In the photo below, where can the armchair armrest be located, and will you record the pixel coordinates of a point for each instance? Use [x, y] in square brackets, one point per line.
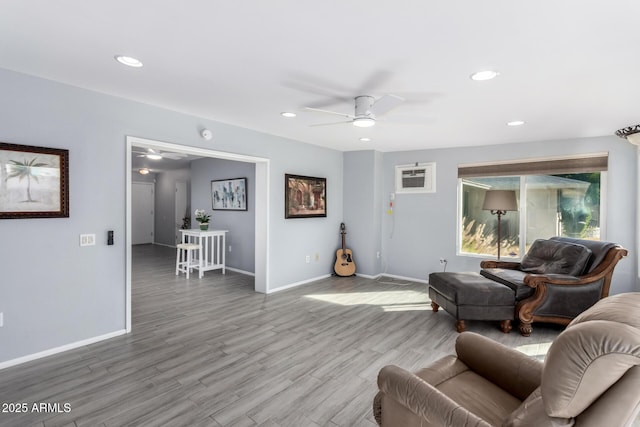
[424, 400]
[506, 367]
[500, 264]
[535, 280]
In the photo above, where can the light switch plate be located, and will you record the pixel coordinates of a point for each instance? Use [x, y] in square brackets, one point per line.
[87, 240]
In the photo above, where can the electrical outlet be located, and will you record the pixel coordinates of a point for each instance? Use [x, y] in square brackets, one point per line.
[443, 261]
[1, 319]
[229, 248]
[317, 258]
[378, 254]
[307, 259]
[87, 240]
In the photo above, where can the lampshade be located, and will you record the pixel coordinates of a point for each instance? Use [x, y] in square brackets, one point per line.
[500, 200]
[630, 133]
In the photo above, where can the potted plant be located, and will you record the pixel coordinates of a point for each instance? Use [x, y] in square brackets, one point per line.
[203, 218]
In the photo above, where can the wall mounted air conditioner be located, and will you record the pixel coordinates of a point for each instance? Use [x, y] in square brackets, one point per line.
[416, 178]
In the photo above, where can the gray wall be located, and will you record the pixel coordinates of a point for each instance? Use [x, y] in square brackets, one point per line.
[241, 224]
[53, 292]
[423, 225]
[363, 179]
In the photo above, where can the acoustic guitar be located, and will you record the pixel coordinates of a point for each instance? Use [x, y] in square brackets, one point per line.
[344, 258]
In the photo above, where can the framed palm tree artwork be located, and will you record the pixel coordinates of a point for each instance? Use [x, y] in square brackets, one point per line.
[34, 182]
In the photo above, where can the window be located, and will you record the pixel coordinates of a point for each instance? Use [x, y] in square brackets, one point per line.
[565, 201]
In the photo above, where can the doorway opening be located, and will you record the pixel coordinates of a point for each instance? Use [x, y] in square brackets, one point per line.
[261, 208]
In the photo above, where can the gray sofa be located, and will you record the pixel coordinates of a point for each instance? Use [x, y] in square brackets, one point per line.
[590, 378]
[557, 279]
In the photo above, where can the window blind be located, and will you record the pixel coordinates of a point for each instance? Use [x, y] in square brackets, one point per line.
[594, 163]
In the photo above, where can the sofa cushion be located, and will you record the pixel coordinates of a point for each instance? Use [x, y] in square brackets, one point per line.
[597, 360]
[621, 308]
[554, 256]
[531, 413]
[514, 279]
[469, 389]
[598, 248]
[470, 288]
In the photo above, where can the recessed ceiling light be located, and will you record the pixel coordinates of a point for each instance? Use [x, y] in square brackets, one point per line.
[154, 156]
[515, 123]
[365, 139]
[129, 61]
[288, 114]
[144, 171]
[484, 75]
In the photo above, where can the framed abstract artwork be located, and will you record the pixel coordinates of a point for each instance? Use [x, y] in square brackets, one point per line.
[229, 194]
[304, 196]
[34, 182]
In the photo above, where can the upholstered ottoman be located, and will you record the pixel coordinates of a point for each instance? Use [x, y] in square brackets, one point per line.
[470, 296]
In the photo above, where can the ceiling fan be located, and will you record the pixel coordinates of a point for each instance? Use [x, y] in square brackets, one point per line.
[367, 110]
[153, 154]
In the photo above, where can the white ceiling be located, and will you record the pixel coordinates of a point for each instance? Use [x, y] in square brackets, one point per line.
[569, 68]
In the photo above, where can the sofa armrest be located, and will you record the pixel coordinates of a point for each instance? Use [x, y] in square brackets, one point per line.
[424, 400]
[535, 280]
[506, 367]
[500, 264]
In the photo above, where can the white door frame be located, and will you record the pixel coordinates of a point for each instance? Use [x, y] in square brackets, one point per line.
[261, 209]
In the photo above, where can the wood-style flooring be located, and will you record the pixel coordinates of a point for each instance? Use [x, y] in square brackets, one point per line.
[212, 352]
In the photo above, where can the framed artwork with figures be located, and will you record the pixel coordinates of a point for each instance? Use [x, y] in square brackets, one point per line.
[229, 194]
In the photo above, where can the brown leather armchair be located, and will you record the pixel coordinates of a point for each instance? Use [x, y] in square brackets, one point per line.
[543, 294]
[590, 377]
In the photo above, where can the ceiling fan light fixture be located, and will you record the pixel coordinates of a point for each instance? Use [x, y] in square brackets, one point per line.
[484, 75]
[364, 122]
[154, 156]
[144, 171]
[128, 61]
[630, 133]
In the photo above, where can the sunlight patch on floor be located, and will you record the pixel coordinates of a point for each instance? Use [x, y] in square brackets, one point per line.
[536, 350]
[400, 300]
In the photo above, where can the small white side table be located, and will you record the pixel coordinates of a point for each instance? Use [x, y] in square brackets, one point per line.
[212, 242]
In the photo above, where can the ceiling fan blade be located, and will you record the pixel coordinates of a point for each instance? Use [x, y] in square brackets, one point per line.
[173, 156]
[331, 124]
[385, 104]
[408, 119]
[318, 110]
[375, 81]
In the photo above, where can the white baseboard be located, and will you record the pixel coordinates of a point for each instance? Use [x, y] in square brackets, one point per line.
[393, 276]
[368, 276]
[293, 285]
[237, 270]
[67, 347]
[165, 245]
[410, 279]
